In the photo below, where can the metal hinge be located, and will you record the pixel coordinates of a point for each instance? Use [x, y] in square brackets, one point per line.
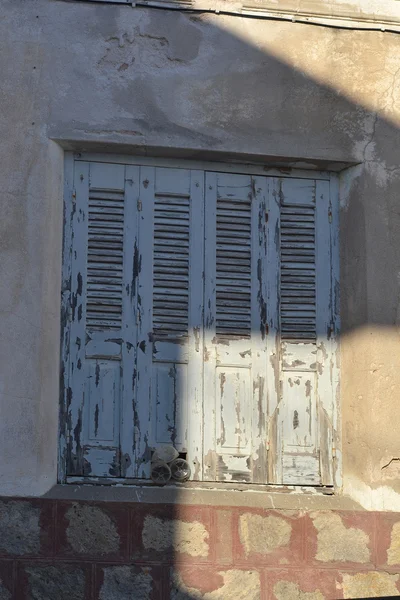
[73, 196]
[333, 452]
[139, 205]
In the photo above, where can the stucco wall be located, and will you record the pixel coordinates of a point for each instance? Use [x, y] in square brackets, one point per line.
[211, 85]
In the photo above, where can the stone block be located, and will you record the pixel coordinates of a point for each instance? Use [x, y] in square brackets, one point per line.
[305, 584]
[198, 583]
[270, 537]
[26, 527]
[370, 584]
[167, 534]
[93, 530]
[388, 540]
[53, 582]
[341, 537]
[126, 582]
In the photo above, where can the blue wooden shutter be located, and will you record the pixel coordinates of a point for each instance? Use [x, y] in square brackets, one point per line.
[169, 361]
[301, 431]
[235, 352]
[102, 338]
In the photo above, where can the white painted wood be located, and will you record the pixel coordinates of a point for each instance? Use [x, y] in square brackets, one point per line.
[273, 372]
[235, 328]
[101, 330]
[300, 469]
[305, 399]
[210, 357]
[68, 212]
[144, 403]
[102, 395]
[145, 366]
[298, 191]
[77, 364]
[195, 415]
[299, 356]
[325, 356]
[169, 364]
[260, 328]
[335, 339]
[203, 165]
[298, 412]
[300, 422]
[130, 311]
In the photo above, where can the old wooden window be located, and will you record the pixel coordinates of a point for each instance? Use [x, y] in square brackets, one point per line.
[202, 314]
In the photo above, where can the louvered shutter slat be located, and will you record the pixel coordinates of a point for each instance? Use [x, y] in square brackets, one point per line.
[233, 241]
[171, 277]
[297, 268]
[105, 259]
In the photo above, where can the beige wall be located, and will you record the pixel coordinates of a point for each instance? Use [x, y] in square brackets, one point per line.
[146, 81]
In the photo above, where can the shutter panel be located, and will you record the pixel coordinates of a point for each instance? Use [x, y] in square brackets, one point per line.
[169, 393]
[301, 428]
[235, 328]
[101, 329]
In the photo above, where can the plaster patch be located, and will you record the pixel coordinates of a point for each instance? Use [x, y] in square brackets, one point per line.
[263, 534]
[287, 590]
[91, 531]
[119, 583]
[370, 585]
[393, 555]
[237, 585]
[337, 542]
[347, 181]
[382, 498]
[189, 537]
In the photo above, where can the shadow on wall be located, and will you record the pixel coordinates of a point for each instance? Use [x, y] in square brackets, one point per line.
[269, 99]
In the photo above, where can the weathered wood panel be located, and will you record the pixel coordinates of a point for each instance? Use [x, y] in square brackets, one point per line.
[169, 363]
[235, 328]
[233, 360]
[301, 426]
[101, 317]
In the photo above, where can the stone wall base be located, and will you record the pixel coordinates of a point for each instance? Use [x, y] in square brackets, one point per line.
[64, 550]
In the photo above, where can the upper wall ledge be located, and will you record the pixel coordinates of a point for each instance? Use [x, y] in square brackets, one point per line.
[356, 14]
